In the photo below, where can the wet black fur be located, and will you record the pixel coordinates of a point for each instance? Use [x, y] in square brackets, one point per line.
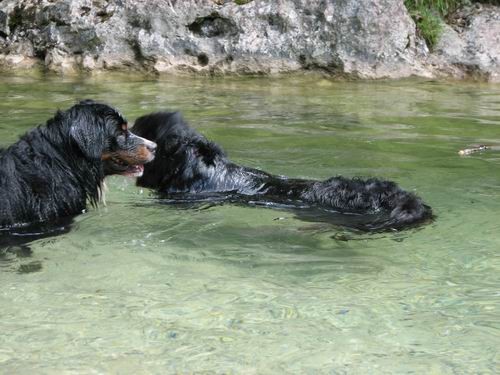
[54, 169]
[187, 163]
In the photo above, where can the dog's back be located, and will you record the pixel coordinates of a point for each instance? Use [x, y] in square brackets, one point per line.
[36, 181]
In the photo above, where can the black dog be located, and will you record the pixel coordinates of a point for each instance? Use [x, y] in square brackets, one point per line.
[187, 163]
[53, 170]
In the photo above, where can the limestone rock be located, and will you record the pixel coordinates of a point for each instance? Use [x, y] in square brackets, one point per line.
[472, 49]
[369, 39]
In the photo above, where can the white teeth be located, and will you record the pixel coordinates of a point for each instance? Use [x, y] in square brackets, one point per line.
[134, 171]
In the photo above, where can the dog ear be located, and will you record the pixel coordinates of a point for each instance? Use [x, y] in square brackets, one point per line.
[208, 151]
[88, 136]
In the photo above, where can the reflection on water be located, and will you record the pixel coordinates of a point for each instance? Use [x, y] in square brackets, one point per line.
[140, 286]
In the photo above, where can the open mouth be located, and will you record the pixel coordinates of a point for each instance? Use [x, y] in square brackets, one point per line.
[121, 167]
[134, 171]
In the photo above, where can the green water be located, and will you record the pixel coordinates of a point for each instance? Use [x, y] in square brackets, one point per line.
[138, 287]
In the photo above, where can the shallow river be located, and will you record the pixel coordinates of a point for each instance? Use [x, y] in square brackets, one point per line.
[144, 287]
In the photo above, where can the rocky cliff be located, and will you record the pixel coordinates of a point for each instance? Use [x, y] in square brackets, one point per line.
[352, 38]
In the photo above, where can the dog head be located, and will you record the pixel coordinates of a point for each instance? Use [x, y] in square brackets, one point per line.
[183, 153]
[167, 130]
[101, 133]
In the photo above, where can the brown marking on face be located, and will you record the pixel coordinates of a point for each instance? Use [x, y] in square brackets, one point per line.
[107, 155]
[144, 153]
[124, 126]
[140, 155]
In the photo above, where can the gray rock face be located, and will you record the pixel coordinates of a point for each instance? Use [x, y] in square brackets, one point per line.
[4, 25]
[369, 39]
[473, 47]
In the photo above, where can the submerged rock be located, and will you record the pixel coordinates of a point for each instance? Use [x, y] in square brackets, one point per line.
[371, 39]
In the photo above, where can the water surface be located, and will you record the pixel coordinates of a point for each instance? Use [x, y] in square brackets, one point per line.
[144, 287]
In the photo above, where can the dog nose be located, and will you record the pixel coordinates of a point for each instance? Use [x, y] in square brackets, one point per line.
[151, 146]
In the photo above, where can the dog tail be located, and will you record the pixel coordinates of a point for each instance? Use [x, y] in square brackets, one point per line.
[406, 209]
[398, 208]
[381, 205]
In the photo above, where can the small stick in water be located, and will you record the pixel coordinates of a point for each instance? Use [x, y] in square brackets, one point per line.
[468, 151]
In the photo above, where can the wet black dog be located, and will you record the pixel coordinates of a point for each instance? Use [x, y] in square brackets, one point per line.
[55, 169]
[187, 163]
